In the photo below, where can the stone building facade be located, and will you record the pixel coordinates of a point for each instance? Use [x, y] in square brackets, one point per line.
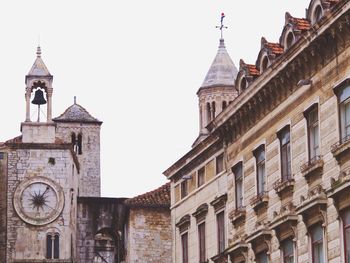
[269, 181]
[50, 204]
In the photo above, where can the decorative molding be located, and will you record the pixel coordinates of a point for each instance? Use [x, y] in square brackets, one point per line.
[219, 202]
[238, 215]
[184, 223]
[259, 201]
[282, 186]
[339, 190]
[312, 168]
[201, 212]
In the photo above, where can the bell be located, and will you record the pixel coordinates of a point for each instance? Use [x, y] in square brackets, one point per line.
[39, 98]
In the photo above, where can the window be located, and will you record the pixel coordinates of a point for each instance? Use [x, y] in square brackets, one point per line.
[77, 143]
[346, 228]
[213, 110]
[208, 113]
[284, 137]
[184, 244]
[184, 191]
[264, 64]
[220, 220]
[290, 39]
[260, 169]
[52, 246]
[201, 176]
[201, 239]
[224, 105]
[344, 108]
[288, 251]
[313, 132]
[262, 257]
[317, 244]
[219, 163]
[318, 14]
[243, 84]
[237, 171]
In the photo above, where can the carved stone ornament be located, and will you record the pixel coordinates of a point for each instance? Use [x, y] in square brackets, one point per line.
[219, 202]
[201, 212]
[184, 223]
[339, 190]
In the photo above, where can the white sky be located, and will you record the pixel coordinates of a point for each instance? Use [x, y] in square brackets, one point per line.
[136, 65]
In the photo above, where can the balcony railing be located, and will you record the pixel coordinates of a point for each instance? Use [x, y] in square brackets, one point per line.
[312, 167]
[341, 147]
[283, 185]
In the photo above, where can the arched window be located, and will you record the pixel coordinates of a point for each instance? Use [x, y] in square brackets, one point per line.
[74, 142]
[243, 84]
[224, 104]
[52, 246]
[317, 14]
[290, 40]
[264, 64]
[213, 110]
[208, 113]
[80, 143]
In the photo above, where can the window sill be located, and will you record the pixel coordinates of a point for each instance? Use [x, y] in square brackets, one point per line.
[312, 168]
[282, 186]
[340, 148]
[259, 201]
[237, 215]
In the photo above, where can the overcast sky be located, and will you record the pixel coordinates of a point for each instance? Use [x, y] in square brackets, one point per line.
[136, 65]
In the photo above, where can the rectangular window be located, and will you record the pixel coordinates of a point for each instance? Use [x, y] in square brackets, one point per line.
[201, 239]
[184, 190]
[262, 257]
[346, 229]
[2, 155]
[313, 132]
[237, 172]
[220, 220]
[219, 163]
[344, 109]
[260, 169]
[288, 251]
[284, 137]
[317, 244]
[201, 176]
[52, 246]
[184, 244]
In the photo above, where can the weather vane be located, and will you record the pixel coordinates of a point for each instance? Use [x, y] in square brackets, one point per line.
[221, 27]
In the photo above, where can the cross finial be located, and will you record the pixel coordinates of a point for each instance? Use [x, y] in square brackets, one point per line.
[221, 27]
[75, 99]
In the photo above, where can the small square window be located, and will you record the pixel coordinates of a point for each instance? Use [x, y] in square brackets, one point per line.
[201, 176]
[219, 163]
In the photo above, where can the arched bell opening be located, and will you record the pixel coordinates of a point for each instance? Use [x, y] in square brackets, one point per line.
[38, 102]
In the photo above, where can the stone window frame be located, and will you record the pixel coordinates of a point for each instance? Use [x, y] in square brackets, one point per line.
[261, 149]
[280, 134]
[184, 225]
[311, 241]
[307, 115]
[233, 169]
[283, 243]
[200, 215]
[183, 188]
[54, 252]
[219, 204]
[221, 155]
[184, 247]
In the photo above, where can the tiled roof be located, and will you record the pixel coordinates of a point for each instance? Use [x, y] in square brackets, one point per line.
[300, 23]
[159, 197]
[76, 113]
[276, 48]
[252, 70]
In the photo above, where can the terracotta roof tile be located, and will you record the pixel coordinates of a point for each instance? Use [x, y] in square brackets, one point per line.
[276, 48]
[253, 71]
[301, 23]
[159, 197]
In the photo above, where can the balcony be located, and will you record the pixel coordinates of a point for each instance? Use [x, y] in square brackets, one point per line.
[312, 168]
[284, 185]
[313, 206]
[340, 148]
[259, 201]
[339, 190]
[220, 258]
[237, 215]
[238, 249]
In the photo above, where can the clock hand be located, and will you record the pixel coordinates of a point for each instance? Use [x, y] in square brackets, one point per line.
[47, 188]
[50, 207]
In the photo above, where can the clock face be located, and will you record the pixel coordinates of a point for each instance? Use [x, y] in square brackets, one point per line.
[38, 201]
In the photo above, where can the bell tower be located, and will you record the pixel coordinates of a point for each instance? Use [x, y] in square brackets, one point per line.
[39, 86]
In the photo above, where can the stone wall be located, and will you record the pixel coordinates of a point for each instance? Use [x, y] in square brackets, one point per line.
[100, 225]
[89, 176]
[149, 235]
[3, 204]
[25, 241]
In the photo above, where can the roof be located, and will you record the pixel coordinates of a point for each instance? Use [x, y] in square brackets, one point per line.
[301, 23]
[159, 197]
[222, 71]
[76, 113]
[39, 68]
[275, 48]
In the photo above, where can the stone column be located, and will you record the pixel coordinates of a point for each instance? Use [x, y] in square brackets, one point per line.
[27, 96]
[49, 104]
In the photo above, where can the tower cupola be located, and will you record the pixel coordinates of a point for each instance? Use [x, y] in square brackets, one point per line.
[218, 87]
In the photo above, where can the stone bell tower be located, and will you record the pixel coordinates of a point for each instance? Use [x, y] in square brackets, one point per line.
[42, 181]
[38, 82]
